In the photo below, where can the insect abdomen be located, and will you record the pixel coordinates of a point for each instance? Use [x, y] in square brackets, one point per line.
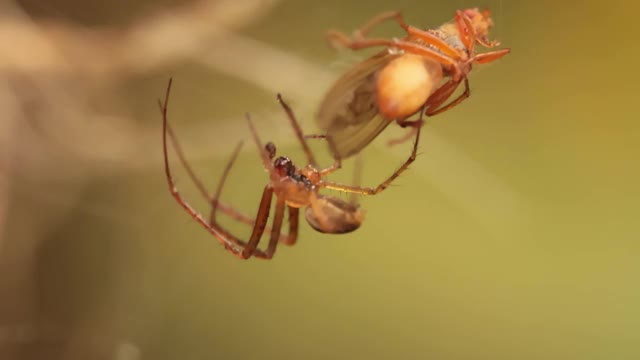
[405, 84]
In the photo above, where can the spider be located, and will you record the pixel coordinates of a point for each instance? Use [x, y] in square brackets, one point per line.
[293, 188]
[403, 79]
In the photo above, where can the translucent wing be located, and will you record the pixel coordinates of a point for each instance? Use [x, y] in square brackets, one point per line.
[348, 113]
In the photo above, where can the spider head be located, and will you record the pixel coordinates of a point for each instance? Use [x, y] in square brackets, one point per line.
[283, 166]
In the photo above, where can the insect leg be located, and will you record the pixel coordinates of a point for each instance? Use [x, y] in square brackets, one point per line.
[435, 41]
[442, 96]
[490, 56]
[466, 31]
[385, 16]
[337, 37]
[410, 47]
[361, 33]
[413, 124]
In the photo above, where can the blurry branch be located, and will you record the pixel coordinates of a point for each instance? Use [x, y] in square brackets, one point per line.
[277, 71]
[158, 40]
[7, 145]
[58, 129]
[64, 62]
[266, 67]
[57, 79]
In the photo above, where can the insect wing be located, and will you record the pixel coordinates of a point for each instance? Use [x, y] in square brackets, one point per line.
[349, 113]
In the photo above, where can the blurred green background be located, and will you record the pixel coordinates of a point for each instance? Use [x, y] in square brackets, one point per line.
[513, 236]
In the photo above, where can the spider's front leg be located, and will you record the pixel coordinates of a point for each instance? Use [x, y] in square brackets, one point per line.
[385, 184]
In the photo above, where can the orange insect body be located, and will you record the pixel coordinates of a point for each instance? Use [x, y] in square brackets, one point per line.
[405, 84]
[419, 72]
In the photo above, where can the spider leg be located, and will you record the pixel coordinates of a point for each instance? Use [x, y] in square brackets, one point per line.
[264, 156]
[337, 162]
[293, 227]
[383, 185]
[214, 201]
[261, 222]
[228, 210]
[357, 177]
[231, 243]
[301, 137]
[298, 130]
[277, 225]
[180, 153]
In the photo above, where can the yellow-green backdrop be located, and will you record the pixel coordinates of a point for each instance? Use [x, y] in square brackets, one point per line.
[513, 236]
